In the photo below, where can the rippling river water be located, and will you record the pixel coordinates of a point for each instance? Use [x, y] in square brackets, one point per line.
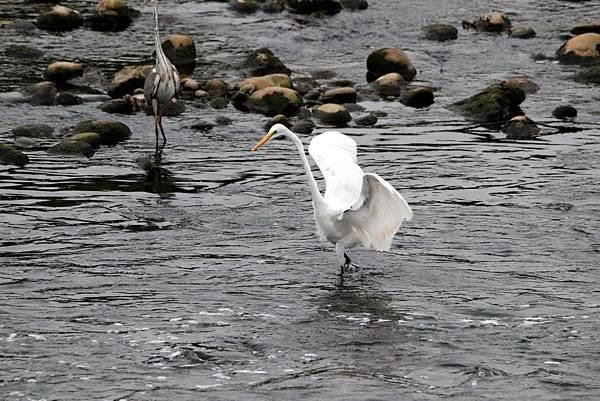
[217, 288]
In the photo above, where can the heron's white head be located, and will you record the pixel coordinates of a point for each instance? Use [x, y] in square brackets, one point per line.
[275, 131]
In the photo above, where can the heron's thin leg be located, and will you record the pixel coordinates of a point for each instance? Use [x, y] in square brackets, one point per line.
[162, 131]
[156, 130]
[346, 260]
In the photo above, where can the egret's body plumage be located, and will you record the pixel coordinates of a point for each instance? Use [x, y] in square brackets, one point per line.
[162, 83]
[356, 208]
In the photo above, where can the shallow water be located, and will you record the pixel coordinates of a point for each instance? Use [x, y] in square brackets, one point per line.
[216, 287]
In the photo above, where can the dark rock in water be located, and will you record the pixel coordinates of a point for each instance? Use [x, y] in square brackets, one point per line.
[117, 106]
[328, 7]
[386, 60]
[582, 49]
[41, 94]
[417, 97]
[180, 49]
[26, 143]
[22, 52]
[333, 114]
[68, 99]
[355, 4]
[217, 87]
[219, 102]
[521, 33]
[72, 148]
[303, 127]
[564, 112]
[171, 109]
[304, 113]
[222, 120]
[271, 6]
[112, 16]
[492, 22]
[313, 94]
[339, 95]
[92, 138]
[366, 121]
[278, 119]
[274, 100]
[62, 71]
[243, 6]
[111, 132]
[521, 127]
[263, 62]
[9, 155]
[390, 84]
[525, 83]
[60, 18]
[593, 27]
[496, 103]
[303, 84]
[353, 107]
[33, 131]
[202, 126]
[128, 79]
[590, 75]
[440, 32]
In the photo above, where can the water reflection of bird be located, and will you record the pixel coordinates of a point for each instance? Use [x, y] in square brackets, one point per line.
[162, 83]
[357, 208]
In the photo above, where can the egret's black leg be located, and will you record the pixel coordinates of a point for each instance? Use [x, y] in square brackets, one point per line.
[162, 131]
[156, 131]
[344, 267]
[347, 260]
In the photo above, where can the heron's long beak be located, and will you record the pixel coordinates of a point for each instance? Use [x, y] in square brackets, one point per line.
[264, 140]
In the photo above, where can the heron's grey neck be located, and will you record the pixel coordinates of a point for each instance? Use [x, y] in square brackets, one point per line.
[314, 188]
[161, 58]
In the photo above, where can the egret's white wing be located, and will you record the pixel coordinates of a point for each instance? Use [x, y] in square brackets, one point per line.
[335, 154]
[378, 213]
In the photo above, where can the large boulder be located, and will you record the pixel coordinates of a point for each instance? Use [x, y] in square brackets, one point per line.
[264, 62]
[128, 79]
[496, 103]
[328, 7]
[60, 18]
[110, 132]
[62, 71]
[112, 15]
[582, 49]
[386, 60]
[9, 155]
[492, 22]
[440, 32]
[274, 100]
[180, 49]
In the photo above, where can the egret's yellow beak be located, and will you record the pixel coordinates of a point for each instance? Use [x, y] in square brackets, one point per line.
[264, 140]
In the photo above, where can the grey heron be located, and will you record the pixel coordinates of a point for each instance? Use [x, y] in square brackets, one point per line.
[162, 83]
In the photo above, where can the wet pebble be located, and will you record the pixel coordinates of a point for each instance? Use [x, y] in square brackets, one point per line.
[339, 95]
[333, 114]
[564, 112]
[522, 33]
[303, 127]
[366, 120]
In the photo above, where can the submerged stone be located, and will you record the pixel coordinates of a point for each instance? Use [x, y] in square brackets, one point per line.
[111, 132]
[440, 32]
[564, 112]
[32, 131]
[9, 155]
[496, 103]
[60, 18]
[263, 62]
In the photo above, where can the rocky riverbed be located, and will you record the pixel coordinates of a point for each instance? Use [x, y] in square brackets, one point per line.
[201, 277]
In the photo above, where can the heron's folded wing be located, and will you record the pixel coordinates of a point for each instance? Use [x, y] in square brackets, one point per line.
[151, 85]
[335, 154]
[378, 213]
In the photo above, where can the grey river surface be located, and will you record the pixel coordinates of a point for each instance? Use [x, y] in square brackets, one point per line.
[217, 288]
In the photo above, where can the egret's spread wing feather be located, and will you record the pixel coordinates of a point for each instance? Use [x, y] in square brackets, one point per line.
[378, 213]
[335, 154]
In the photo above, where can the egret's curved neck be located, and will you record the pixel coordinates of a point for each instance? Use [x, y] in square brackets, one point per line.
[160, 55]
[314, 188]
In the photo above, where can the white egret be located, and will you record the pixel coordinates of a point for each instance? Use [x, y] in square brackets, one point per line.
[357, 208]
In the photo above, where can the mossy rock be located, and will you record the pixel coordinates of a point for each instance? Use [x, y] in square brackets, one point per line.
[92, 138]
[496, 103]
[386, 60]
[180, 50]
[328, 7]
[72, 148]
[60, 18]
[9, 155]
[263, 62]
[440, 32]
[274, 100]
[111, 132]
[333, 114]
